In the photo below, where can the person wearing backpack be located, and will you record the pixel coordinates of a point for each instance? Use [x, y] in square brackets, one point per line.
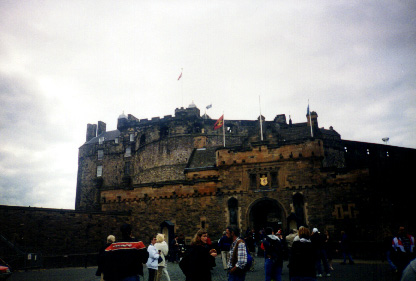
[273, 254]
[238, 255]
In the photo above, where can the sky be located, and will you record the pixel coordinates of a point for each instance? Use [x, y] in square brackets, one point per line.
[64, 64]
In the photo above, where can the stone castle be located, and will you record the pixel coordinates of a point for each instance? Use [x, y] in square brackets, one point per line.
[175, 175]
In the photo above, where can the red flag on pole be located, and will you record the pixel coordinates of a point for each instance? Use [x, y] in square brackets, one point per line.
[219, 123]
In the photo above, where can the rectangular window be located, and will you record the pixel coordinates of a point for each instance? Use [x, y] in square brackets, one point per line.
[99, 171]
[131, 137]
[253, 180]
[116, 140]
[127, 168]
[100, 140]
[273, 175]
[100, 154]
[128, 152]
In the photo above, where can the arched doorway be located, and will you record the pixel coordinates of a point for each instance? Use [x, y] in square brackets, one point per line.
[266, 212]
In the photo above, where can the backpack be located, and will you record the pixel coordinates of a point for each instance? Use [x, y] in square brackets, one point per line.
[249, 257]
[185, 263]
[274, 249]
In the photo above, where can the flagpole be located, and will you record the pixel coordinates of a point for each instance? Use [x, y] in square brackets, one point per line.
[261, 122]
[310, 119]
[182, 86]
[223, 127]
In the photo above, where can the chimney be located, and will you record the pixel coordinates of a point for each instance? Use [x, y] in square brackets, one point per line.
[101, 128]
[91, 131]
[314, 117]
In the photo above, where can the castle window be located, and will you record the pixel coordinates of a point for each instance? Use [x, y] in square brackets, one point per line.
[100, 154]
[273, 176]
[143, 140]
[233, 210]
[131, 137]
[253, 180]
[128, 152]
[100, 140]
[99, 171]
[127, 168]
[117, 140]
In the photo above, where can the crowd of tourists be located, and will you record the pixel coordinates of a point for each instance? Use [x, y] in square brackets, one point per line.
[309, 254]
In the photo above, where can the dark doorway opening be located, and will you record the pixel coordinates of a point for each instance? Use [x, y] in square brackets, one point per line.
[266, 213]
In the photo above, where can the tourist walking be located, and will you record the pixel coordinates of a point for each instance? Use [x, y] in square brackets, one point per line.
[403, 249]
[152, 261]
[345, 244]
[224, 245]
[273, 254]
[302, 261]
[318, 243]
[238, 255]
[163, 250]
[124, 260]
[202, 259]
[329, 248]
[110, 240]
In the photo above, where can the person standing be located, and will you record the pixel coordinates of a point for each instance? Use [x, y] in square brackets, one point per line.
[238, 255]
[302, 261]
[273, 254]
[110, 240]
[123, 261]
[329, 248]
[163, 250]
[318, 243]
[202, 258]
[224, 245]
[403, 249]
[289, 239]
[345, 247]
[174, 250]
[152, 260]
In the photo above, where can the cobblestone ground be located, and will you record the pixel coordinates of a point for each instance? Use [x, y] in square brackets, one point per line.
[361, 271]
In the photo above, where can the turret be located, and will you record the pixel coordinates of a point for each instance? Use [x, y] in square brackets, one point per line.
[91, 132]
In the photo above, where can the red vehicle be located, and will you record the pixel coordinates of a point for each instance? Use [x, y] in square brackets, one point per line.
[5, 271]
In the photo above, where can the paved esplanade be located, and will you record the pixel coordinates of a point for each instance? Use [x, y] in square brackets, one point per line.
[361, 271]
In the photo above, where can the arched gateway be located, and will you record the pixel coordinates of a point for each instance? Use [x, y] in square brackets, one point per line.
[266, 212]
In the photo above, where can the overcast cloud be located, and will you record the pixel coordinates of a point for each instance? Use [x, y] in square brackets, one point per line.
[64, 64]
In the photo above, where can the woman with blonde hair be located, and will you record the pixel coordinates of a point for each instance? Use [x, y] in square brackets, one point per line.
[202, 258]
[163, 250]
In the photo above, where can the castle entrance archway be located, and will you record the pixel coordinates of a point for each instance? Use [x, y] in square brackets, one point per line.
[266, 212]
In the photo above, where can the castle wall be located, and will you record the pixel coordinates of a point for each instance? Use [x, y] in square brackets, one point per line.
[57, 232]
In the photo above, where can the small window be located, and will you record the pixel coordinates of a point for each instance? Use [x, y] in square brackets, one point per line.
[99, 171]
[116, 140]
[100, 154]
[127, 168]
[253, 180]
[100, 140]
[131, 137]
[128, 152]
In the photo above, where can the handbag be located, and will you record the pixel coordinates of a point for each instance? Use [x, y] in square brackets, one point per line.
[160, 259]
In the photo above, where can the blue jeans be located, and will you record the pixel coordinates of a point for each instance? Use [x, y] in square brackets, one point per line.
[234, 277]
[131, 278]
[272, 271]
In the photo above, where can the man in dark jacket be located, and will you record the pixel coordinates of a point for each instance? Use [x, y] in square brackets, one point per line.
[273, 254]
[318, 242]
[124, 260]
